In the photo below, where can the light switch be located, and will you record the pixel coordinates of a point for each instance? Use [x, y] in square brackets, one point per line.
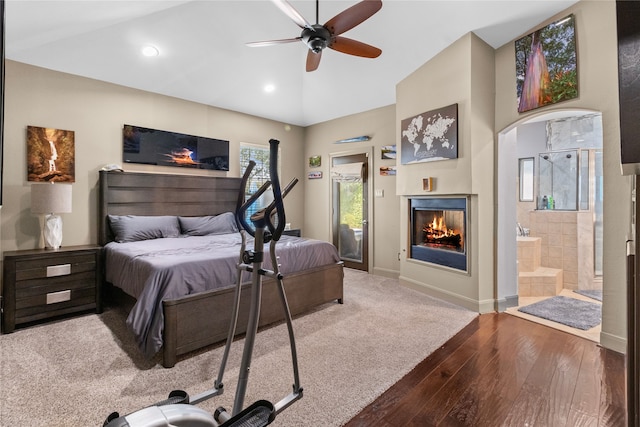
[379, 193]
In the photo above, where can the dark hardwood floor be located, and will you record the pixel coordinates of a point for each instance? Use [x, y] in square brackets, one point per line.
[501, 370]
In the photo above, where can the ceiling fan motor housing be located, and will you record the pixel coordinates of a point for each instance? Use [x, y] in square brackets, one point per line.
[317, 38]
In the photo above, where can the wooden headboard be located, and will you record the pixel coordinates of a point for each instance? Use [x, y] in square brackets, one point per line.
[135, 193]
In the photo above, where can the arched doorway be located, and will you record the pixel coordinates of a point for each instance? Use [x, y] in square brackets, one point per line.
[578, 197]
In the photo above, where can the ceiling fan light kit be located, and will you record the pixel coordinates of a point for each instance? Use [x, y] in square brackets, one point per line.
[318, 37]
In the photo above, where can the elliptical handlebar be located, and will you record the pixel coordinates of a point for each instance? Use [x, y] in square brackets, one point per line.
[277, 204]
[241, 205]
[264, 217]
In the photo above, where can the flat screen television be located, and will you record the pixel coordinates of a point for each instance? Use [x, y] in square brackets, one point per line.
[163, 148]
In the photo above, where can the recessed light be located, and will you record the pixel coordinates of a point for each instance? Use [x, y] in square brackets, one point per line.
[269, 88]
[150, 51]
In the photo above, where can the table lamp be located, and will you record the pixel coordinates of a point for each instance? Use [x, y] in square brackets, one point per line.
[51, 199]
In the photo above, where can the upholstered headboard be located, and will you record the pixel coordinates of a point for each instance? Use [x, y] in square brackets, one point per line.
[135, 193]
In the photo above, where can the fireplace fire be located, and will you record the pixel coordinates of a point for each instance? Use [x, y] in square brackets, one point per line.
[438, 231]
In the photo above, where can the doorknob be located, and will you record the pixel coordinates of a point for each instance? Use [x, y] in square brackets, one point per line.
[365, 222]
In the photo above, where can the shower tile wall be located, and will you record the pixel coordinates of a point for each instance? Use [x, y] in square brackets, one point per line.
[559, 246]
[586, 252]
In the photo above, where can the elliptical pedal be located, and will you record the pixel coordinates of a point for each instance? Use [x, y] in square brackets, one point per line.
[260, 413]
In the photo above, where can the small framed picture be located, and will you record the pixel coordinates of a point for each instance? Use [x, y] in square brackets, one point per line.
[315, 161]
[315, 175]
[427, 184]
[387, 170]
[388, 152]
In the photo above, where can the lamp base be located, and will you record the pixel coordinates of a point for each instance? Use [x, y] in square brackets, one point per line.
[52, 231]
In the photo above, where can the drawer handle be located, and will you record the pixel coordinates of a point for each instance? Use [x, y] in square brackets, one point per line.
[58, 270]
[60, 296]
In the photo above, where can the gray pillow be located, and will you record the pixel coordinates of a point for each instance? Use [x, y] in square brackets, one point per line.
[207, 225]
[133, 228]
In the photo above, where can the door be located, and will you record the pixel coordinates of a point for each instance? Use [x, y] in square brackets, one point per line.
[350, 224]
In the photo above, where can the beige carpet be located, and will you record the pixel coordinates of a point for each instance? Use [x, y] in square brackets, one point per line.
[75, 372]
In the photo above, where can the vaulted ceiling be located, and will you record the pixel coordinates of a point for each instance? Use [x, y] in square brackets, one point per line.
[203, 56]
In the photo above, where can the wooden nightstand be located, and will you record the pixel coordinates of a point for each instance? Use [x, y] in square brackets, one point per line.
[42, 283]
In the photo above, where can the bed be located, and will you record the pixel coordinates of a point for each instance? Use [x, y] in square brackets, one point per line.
[192, 318]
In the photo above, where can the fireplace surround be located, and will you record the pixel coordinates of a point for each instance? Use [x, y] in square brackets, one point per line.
[438, 231]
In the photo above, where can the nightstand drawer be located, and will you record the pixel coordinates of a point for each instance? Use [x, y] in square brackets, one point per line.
[54, 267]
[36, 308]
[32, 287]
[41, 284]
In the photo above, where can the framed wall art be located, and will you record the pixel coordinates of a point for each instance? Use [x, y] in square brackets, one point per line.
[315, 161]
[546, 65]
[50, 155]
[388, 152]
[387, 170]
[164, 148]
[430, 136]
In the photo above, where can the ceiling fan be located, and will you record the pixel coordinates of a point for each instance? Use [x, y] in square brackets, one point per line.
[318, 37]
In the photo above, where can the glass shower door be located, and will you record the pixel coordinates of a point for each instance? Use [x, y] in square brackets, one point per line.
[558, 180]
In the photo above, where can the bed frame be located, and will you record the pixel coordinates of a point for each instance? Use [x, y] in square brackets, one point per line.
[189, 323]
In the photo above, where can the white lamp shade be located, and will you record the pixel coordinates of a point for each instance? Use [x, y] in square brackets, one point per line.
[50, 198]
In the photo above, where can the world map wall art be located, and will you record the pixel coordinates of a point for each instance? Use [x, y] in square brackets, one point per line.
[430, 136]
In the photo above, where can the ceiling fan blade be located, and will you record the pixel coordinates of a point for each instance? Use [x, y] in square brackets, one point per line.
[313, 60]
[292, 13]
[354, 47]
[273, 42]
[349, 18]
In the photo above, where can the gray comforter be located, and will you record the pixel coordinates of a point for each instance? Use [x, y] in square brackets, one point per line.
[162, 269]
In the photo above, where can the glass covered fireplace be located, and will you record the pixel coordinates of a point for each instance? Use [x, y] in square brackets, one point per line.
[439, 230]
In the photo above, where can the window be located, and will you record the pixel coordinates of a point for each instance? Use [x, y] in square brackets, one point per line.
[259, 175]
[526, 179]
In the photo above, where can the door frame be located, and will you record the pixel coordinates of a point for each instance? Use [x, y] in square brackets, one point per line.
[506, 288]
[368, 152]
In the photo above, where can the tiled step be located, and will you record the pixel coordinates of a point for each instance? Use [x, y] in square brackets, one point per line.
[544, 281]
[529, 249]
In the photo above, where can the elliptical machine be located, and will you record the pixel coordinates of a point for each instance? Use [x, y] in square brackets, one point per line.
[178, 410]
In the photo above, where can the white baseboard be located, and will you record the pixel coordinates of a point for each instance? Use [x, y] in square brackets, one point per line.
[613, 342]
[479, 306]
[385, 272]
[506, 302]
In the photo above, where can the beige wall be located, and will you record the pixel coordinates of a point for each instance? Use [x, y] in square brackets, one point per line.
[598, 85]
[468, 72]
[96, 111]
[379, 124]
[459, 74]
[464, 74]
